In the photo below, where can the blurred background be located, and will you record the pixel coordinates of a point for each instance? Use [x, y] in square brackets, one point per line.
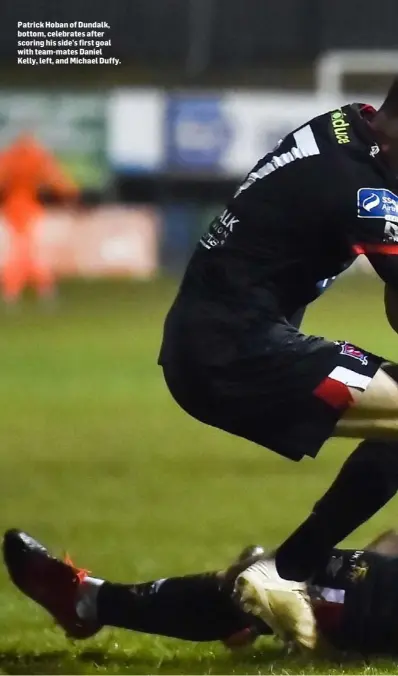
[204, 88]
[108, 176]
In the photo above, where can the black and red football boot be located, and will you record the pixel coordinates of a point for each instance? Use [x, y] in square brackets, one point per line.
[52, 583]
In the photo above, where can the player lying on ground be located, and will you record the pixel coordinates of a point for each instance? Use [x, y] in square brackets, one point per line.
[354, 598]
[233, 359]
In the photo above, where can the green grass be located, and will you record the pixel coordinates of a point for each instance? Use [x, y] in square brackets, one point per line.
[96, 458]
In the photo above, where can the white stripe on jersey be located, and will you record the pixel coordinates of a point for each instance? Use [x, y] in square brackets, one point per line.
[306, 141]
[306, 146]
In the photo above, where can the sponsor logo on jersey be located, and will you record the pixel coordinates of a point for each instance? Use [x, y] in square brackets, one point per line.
[220, 228]
[340, 126]
[391, 233]
[352, 351]
[377, 203]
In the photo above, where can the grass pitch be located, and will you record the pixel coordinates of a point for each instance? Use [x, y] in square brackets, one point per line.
[96, 458]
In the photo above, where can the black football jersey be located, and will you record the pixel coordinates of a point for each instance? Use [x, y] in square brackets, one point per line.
[325, 194]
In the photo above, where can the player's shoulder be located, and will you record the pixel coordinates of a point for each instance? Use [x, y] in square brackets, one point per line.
[339, 135]
[337, 149]
[364, 164]
[343, 129]
[348, 144]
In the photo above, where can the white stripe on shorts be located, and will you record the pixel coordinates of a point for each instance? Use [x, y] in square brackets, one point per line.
[350, 378]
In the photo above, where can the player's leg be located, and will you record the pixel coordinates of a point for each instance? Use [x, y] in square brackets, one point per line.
[16, 268]
[195, 607]
[373, 414]
[41, 274]
[281, 604]
[366, 482]
[276, 590]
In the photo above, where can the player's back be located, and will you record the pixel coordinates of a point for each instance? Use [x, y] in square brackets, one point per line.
[291, 223]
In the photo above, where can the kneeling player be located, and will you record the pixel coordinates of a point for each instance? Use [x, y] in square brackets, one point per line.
[354, 599]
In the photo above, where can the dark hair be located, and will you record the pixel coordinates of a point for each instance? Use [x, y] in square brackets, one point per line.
[390, 105]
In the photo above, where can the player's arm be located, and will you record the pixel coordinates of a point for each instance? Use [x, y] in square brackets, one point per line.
[375, 234]
[55, 178]
[386, 266]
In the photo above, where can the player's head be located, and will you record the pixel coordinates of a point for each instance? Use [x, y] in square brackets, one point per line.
[385, 123]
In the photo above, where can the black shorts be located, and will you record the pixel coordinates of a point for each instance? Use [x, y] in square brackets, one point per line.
[288, 397]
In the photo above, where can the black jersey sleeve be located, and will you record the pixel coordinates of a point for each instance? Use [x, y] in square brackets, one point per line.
[375, 231]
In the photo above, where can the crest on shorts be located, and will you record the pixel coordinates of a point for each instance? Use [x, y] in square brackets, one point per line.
[352, 351]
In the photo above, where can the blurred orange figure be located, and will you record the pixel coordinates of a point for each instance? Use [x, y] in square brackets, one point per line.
[25, 168]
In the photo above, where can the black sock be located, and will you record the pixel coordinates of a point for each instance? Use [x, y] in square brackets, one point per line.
[195, 608]
[366, 482]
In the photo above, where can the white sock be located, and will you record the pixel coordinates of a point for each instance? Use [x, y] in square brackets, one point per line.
[86, 604]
